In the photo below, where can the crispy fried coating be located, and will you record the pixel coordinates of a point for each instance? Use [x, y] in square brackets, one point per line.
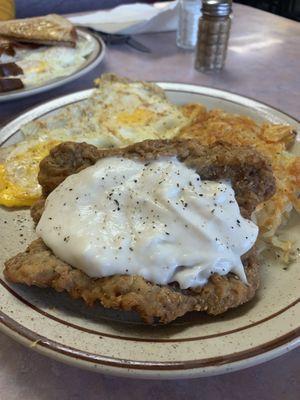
[250, 174]
[40, 267]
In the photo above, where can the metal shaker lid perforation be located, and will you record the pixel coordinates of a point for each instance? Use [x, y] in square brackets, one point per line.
[217, 8]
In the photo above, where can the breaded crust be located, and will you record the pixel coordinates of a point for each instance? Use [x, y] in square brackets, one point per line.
[251, 175]
[252, 180]
[40, 267]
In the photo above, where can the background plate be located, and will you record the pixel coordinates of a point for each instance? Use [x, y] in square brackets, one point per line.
[117, 342]
[92, 60]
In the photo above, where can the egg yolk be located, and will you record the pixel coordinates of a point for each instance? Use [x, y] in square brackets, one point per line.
[37, 67]
[13, 194]
[139, 116]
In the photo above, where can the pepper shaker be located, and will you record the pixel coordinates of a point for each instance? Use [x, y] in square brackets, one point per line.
[213, 35]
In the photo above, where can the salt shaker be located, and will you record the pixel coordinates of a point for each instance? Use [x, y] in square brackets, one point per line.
[213, 35]
[189, 12]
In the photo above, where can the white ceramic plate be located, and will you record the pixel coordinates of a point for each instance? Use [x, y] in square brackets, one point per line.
[118, 343]
[91, 61]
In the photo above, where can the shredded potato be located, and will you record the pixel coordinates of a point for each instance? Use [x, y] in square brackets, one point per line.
[271, 140]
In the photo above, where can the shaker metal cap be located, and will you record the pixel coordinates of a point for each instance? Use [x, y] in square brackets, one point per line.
[217, 7]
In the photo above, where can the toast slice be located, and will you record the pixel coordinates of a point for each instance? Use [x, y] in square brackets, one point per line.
[51, 29]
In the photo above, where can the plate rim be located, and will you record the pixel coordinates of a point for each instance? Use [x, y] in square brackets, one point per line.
[287, 342]
[137, 369]
[60, 81]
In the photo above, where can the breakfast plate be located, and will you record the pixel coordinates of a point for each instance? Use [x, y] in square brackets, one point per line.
[118, 342]
[92, 48]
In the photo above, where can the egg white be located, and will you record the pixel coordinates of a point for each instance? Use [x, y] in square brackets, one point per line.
[118, 113]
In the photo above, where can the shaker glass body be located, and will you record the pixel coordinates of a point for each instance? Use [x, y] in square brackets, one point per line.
[188, 16]
[211, 49]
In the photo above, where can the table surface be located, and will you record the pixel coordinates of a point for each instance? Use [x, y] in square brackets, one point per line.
[263, 63]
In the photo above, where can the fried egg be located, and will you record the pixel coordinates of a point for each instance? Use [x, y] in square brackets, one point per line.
[135, 110]
[118, 113]
[49, 62]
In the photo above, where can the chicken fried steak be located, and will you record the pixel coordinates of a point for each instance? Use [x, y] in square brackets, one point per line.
[252, 181]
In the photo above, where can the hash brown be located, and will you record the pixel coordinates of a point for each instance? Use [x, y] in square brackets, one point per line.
[273, 141]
